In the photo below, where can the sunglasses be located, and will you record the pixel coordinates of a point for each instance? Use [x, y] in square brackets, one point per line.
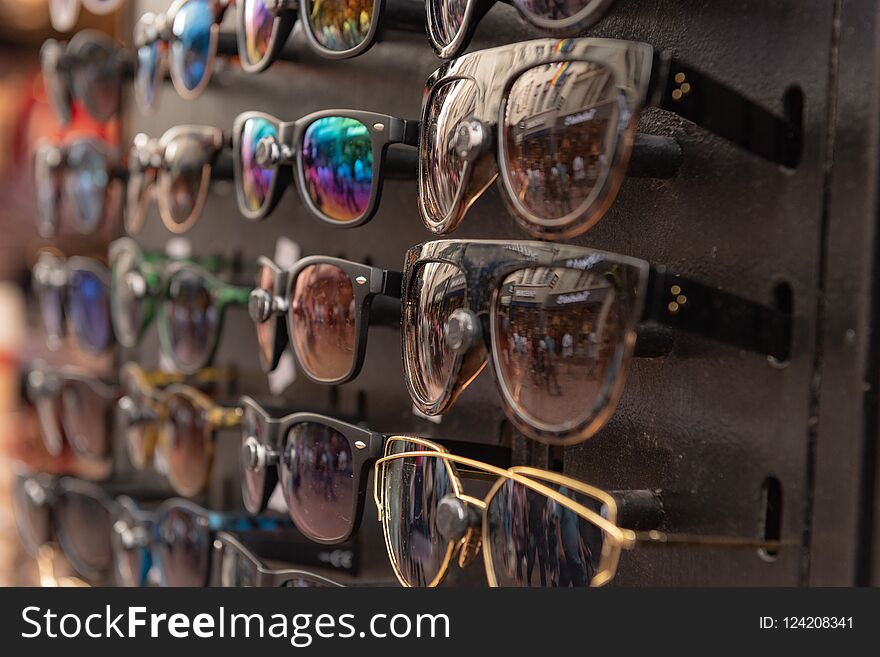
[557, 323]
[323, 307]
[339, 159]
[191, 312]
[88, 69]
[79, 181]
[238, 566]
[143, 409]
[133, 525]
[452, 23]
[74, 292]
[561, 155]
[75, 514]
[535, 528]
[63, 14]
[186, 422]
[76, 408]
[179, 539]
[175, 171]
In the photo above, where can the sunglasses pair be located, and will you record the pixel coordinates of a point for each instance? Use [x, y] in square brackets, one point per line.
[557, 323]
[323, 307]
[561, 154]
[239, 566]
[77, 515]
[63, 14]
[173, 424]
[175, 171]
[74, 408]
[535, 528]
[79, 181]
[73, 293]
[192, 305]
[177, 541]
[89, 70]
[337, 157]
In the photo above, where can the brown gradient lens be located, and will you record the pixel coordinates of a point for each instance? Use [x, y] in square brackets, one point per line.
[412, 488]
[560, 143]
[266, 277]
[557, 331]
[85, 419]
[188, 445]
[436, 290]
[535, 541]
[84, 526]
[322, 321]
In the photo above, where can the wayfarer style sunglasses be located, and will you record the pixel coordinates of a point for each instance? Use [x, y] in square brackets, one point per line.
[79, 181]
[63, 14]
[535, 528]
[557, 127]
[175, 422]
[193, 305]
[451, 23]
[239, 566]
[339, 159]
[89, 69]
[558, 324]
[137, 280]
[74, 292]
[175, 171]
[324, 308]
[74, 407]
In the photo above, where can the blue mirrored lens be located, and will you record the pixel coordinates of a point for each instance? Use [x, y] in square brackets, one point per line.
[89, 310]
[191, 48]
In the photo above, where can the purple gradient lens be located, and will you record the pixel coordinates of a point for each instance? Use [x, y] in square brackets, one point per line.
[255, 181]
[258, 23]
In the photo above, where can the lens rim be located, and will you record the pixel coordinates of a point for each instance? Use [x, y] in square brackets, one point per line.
[366, 283]
[138, 197]
[135, 385]
[364, 446]
[136, 518]
[57, 85]
[119, 248]
[44, 167]
[48, 484]
[283, 22]
[280, 181]
[176, 74]
[63, 22]
[588, 15]
[379, 498]
[537, 480]
[44, 273]
[146, 34]
[465, 31]
[366, 44]
[210, 139]
[203, 519]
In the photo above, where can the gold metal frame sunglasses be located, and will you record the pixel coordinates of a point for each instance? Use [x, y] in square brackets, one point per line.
[466, 523]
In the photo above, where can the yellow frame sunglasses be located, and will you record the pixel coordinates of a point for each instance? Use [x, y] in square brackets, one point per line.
[476, 537]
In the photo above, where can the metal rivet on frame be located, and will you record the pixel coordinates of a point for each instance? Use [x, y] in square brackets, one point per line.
[360, 444]
[379, 127]
[361, 280]
[684, 87]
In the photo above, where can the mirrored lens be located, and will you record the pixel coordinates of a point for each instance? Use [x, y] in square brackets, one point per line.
[560, 143]
[183, 548]
[266, 277]
[185, 176]
[535, 541]
[85, 419]
[89, 309]
[255, 181]
[147, 73]
[188, 444]
[84, 526]
[337, 159]
[97, 79]
[447, 18]
[32, 515]
[412, 488]
[322, 321]
[258, 25]
[86, 179]
[192, 319]
[436, 290]
[318, 480]
[236, 569]
[557, 332]
[442, 170]
[191, 45]
[340, 25]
